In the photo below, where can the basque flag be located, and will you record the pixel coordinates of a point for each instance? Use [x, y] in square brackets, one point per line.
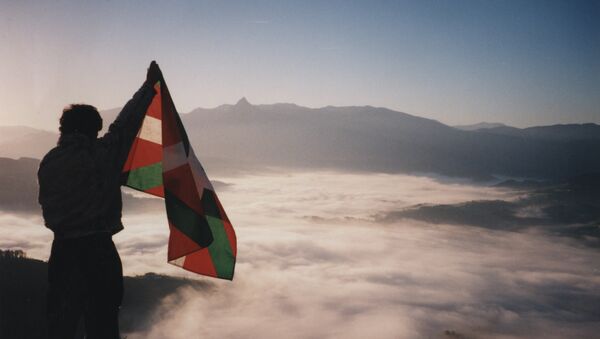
[161, 162]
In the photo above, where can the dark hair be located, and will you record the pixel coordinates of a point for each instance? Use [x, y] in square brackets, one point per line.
[80, 118]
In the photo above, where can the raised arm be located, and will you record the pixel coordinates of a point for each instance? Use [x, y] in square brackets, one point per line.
[122, 131]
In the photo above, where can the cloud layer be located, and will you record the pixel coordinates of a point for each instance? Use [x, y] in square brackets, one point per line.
[314, 262]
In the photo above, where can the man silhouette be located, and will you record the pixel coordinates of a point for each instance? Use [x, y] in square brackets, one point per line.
[80, 195]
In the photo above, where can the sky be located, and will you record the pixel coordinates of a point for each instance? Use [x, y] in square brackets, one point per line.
[522, 63]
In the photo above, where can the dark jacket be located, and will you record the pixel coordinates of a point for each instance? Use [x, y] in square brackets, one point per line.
[80, 178]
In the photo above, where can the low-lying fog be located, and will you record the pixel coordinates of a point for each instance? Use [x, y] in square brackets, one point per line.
[316, 260]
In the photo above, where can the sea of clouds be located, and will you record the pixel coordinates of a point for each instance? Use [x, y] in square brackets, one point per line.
[315, 261]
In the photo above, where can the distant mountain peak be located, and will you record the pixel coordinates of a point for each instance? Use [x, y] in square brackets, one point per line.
[243, 102]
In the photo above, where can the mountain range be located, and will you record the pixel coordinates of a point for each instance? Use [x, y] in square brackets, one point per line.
[245, 137]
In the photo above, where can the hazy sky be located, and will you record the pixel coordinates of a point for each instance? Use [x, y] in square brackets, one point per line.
[519, 62]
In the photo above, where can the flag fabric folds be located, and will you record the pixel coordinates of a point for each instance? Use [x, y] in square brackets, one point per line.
[162, 163]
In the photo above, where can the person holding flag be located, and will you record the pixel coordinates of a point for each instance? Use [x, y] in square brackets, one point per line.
[147, 149]
[80, 195]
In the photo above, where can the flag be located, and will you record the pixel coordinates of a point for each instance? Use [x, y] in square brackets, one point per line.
[162, 163]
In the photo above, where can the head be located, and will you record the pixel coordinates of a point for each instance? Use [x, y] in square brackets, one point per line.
[81, 118]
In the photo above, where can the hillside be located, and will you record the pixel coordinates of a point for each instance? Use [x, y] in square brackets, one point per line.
[568, 208]
[555, 132]
[23, 297]
[19, 193]
[481, 125]
[21, 141]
